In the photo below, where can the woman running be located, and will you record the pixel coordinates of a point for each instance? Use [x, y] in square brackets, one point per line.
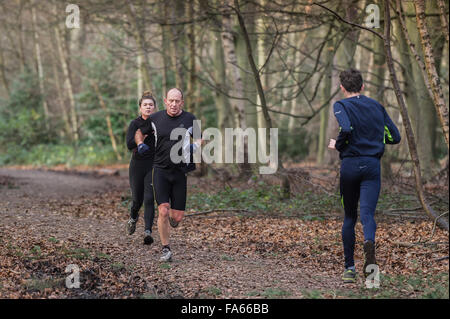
[140, 170]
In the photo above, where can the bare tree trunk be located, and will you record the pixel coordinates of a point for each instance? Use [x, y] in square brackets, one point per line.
[406, 122]
[23, 62]
[326, 93]
[224, 111]
[165, 47]
[260, 52]
[412, 47]
[379, 72]
[178, 43]
[67, 80]
[300, 40]
[192, 81]
[140, 77]
[3, 74]
[433, 76]
[138, 34]
[40, 67]
[222, 102]
[237, 86]
[107, 118]
[286, 192]
[61, 104]
[251, 111]
[443, 16]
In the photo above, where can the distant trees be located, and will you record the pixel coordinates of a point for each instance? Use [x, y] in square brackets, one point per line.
[281, 71]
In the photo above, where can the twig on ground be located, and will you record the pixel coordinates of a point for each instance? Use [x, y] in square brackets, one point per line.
[408, 245]
[440, 259]
[431, 252]
[219, 210]
[435, 221]
[407, 209]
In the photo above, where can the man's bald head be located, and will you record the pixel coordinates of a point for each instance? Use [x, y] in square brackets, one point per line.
[173, 90]
[174, 102]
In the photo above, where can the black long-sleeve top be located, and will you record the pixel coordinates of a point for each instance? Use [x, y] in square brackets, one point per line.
[149, 140]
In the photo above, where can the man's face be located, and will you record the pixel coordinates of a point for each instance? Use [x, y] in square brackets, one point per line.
[174, 102]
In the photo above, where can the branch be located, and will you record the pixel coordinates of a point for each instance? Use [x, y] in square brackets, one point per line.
[219, 210]
[348, 22]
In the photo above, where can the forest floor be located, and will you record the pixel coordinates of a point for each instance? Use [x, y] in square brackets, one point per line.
[51, 219]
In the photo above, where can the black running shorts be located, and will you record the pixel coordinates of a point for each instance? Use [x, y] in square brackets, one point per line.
[170, 187]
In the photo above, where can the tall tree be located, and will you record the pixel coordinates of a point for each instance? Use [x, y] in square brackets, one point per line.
[107, 117]
[326, 93]
[178, 41]
[40, 67]
[3, 73]
[286, 193]
[62, 51]
[165, 41]
[430, 63]
[139, 36]
[237, 86]
[192, 80]
[406, 122]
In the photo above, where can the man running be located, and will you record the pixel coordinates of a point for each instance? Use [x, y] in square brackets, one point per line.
[169, 173]
[365, 127]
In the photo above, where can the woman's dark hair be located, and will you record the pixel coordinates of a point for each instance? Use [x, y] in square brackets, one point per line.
[351, 80]
[147, 95]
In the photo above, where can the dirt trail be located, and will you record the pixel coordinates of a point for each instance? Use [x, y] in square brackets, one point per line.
[244, 258]
[24, 202]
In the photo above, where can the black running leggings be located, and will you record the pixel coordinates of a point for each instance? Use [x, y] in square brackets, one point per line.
[140, 172]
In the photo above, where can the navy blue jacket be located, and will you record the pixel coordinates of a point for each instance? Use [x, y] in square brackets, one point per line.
[364, 127]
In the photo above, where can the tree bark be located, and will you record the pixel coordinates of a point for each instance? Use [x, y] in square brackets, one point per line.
[237, 85]
[60, 101]
[264, 80]
[286, 192]
[138, 34]
[107, 118]
[224, 111]
[3, 74]
[251, 111]
[67, 79]
[178, 43]
[326, 93]
[192, 81]
[433, 76]
[443, 18]
[165, 34]
[40, 67]
[406, 122]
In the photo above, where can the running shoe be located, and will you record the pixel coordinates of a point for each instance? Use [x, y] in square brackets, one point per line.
[131, 226]
[369, 252]
[172, 222]
[349, 276]
[148, 239]
[166, 255]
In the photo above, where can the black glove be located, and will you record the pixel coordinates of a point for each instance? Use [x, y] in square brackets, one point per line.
[142, 148]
